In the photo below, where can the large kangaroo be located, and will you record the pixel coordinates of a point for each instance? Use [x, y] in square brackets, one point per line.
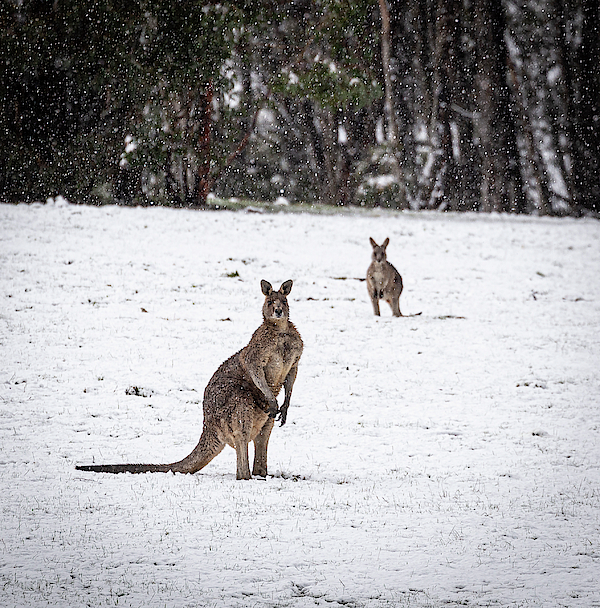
[240, 400]
[383, 280]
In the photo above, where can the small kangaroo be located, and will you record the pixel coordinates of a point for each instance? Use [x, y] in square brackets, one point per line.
[240, 400]
[383, 280]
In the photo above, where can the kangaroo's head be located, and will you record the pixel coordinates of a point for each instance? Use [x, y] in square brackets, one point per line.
[276, 306]
[379, 250]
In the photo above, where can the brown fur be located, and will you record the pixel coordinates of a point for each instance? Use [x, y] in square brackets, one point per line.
[240, 400]
[383, 280]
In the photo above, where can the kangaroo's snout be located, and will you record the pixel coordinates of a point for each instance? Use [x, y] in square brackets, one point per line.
[277, 309]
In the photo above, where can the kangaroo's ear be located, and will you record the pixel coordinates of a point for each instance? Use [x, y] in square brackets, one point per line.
[286, 287]
[373, 243]
[266, 287]
[385, 243]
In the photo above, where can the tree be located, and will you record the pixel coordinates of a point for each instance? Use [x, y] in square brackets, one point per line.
[80, 81]
[501, 186]
[65, 82]
[445, 99]
[579, 58]
[315, 63]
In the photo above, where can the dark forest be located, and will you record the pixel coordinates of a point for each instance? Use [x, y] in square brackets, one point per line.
[452, 105]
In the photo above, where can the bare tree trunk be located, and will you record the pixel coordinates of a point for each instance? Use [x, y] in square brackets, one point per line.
[392, 131]
[329, 133]
[445, 70]
[501, 184]
[203, 182]
[420, 24]
[170, 181]
[583, 93]
[533, 163]
[389, 111]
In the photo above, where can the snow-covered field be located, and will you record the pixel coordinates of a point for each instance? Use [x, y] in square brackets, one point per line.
[447, 459]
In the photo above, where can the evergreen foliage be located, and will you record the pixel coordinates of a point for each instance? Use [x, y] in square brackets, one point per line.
[472, 105]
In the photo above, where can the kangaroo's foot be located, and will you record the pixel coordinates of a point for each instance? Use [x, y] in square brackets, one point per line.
[259, 471]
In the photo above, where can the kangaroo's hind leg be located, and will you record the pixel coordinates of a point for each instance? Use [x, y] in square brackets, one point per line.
[261, 442]
[375, 301]
[394, 296]
[241, 439]
[242, 422]
[394, 302]
[243, 465]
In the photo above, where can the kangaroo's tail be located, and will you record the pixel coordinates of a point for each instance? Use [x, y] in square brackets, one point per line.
[208, 447]
[125, 468]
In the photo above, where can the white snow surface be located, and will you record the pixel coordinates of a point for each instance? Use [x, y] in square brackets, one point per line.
[447, 459]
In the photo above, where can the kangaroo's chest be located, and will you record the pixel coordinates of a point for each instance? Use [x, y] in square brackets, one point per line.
[282, 358]
[378, 274]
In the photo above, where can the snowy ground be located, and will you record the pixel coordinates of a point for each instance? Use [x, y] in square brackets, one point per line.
[448, 459]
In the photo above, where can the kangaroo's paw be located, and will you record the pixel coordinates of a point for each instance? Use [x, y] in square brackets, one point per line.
[283, 415]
